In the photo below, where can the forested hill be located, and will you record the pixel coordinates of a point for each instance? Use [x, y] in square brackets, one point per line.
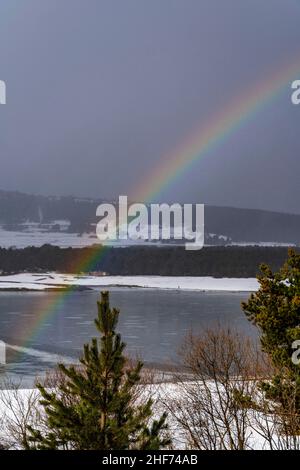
[167, 261]
[223, 225]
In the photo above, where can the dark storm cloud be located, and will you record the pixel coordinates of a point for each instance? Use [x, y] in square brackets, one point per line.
[100, 91]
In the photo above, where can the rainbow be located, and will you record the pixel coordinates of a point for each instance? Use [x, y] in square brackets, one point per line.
[215, 131]
[174, 165]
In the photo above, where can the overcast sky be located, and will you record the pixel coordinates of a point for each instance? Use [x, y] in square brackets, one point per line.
[100, 91]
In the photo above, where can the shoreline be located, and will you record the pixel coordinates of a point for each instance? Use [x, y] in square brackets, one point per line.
[59, 282]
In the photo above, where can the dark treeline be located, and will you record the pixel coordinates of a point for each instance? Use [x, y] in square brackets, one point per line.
[167, 261]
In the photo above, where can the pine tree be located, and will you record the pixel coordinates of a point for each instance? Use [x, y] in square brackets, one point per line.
[275, 310]
[95, 409]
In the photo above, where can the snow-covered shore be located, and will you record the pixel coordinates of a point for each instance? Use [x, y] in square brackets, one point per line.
[47, 281]
[19, 407]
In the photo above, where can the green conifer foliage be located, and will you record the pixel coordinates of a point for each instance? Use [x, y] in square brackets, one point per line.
[275, 310]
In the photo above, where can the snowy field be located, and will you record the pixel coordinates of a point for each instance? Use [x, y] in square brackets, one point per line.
[37, 281]
[37, 238]
[15, 404]
[19, 407]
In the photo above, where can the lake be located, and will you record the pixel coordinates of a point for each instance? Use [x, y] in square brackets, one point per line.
[153, 323]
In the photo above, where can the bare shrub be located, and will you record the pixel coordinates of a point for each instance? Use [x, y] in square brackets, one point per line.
[213, 408]
[20, 409]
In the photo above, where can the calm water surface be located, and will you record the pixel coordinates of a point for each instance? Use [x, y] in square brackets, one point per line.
[153, 323]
